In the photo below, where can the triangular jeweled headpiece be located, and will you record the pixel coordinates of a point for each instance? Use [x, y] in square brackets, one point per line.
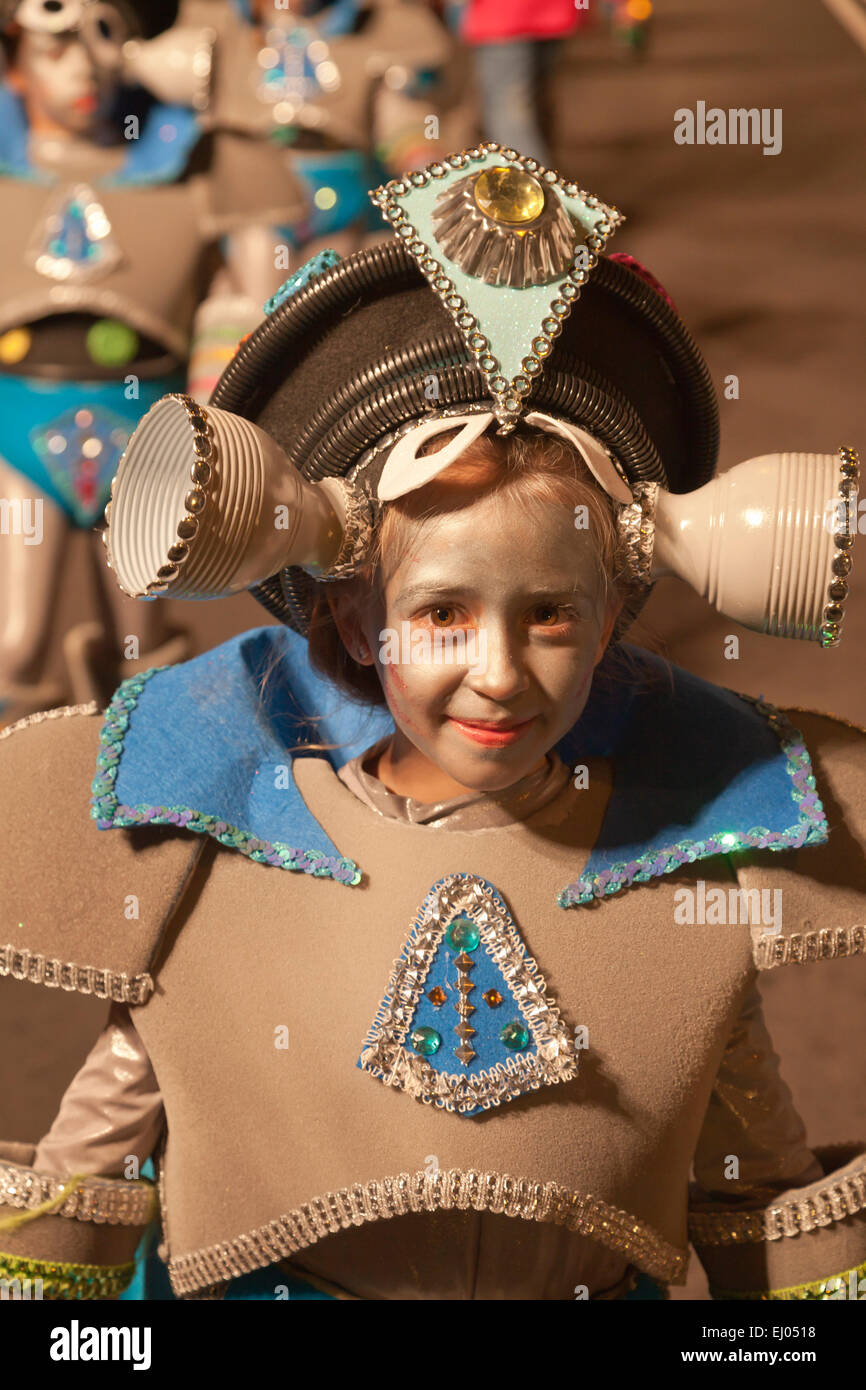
[506, 246]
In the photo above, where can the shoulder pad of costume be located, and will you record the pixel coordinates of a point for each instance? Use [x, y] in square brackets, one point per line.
[817, 900]
[80, 910]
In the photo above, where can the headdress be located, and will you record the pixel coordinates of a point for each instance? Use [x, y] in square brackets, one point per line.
[493, 304]
[143, 20]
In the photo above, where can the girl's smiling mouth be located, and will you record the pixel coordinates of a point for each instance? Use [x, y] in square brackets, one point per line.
[493, 733]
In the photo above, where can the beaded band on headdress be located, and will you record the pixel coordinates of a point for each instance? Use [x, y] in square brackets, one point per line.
[837, 592]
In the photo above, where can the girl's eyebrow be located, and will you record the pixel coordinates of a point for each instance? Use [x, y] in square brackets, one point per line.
[416, 592]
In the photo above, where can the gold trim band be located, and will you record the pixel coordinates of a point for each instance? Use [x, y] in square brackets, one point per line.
[83, 979]
[446, 1190]
[113, 1201]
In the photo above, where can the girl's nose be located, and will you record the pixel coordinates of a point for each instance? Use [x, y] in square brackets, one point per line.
[499, 670]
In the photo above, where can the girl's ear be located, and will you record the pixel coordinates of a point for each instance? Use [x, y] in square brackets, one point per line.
[347, 619]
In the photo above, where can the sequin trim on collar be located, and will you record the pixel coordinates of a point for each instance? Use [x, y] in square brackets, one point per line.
[82, 979]
[811, 827]
[386, 1056]
[109, 813]
[500, 1193]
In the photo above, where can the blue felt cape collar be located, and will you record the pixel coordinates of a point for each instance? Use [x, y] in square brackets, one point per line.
[160, 154]
[697, 770]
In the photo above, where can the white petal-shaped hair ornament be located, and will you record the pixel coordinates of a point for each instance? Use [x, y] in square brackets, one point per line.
[404, 471]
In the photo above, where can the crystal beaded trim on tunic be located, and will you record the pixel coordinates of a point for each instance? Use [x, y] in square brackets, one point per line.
[446, 1190]
[109, 813]
[802, 948]
[811, 826]
[63, 712]
[65, 1281]
[111, 1201]
[819, 1205]
[83, 979]
[385, 1055]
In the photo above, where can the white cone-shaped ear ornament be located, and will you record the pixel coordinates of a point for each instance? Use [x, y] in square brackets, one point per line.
[175, 66]
[204, 504]
[768, 543]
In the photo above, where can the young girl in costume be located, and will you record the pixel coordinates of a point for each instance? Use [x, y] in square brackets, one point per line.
[432, 917]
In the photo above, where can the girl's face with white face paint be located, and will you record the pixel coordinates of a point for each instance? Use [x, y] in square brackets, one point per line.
[518, 589]
[70, 84]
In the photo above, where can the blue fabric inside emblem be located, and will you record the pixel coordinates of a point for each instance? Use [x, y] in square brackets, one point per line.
[487, 1022]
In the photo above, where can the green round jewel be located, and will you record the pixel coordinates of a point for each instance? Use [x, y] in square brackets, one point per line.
[515, 1035]
[463, 934]
[426, 1041]
[111, 343]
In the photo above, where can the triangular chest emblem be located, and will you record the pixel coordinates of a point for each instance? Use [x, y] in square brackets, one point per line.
[74, 241]
[467, 1022]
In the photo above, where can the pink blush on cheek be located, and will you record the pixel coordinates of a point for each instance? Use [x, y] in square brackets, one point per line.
[391, 675]
[584, 683]
[394, 701]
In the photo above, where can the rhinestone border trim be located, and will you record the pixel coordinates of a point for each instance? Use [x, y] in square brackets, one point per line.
[61, 712]
[804, 948]
[463, 1189]
[109, 813]
[832, 1286]
[68, 1281]
[104, 1201]
[830, 634]
[384, 1053]
[509, 397]
[819, 1206]
[811, 827]
[22, 964]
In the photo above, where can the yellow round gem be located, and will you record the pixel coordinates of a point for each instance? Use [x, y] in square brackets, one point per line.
[508, 194]
[15, 345]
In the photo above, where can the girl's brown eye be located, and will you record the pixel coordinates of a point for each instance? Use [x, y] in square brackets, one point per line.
[546, 615]
[441, 616]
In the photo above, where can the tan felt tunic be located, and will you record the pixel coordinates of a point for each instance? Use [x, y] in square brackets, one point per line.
[257, 1133]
